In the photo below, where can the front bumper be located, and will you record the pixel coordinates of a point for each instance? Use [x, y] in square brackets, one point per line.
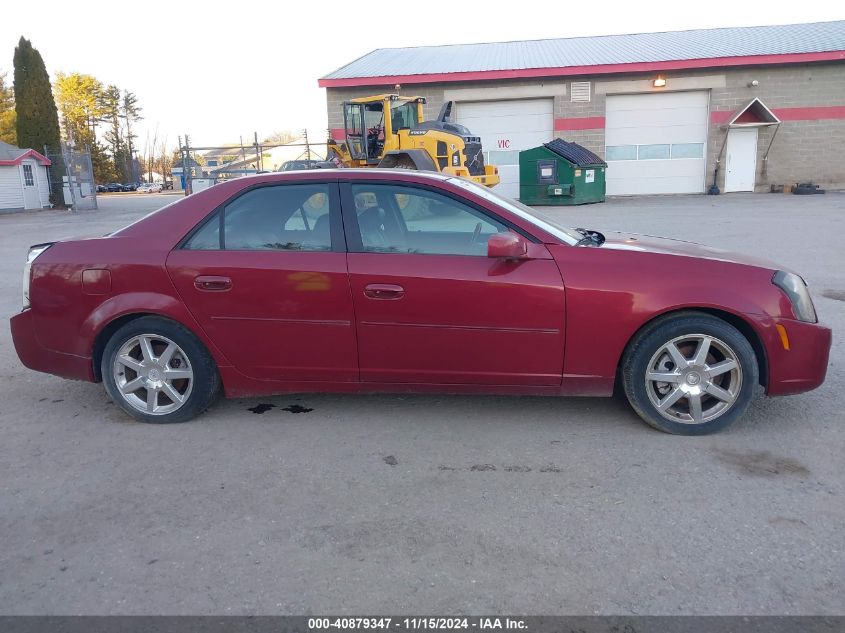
[37, 357]
[804, 365]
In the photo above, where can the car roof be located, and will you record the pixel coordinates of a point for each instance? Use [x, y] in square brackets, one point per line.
[348, 174]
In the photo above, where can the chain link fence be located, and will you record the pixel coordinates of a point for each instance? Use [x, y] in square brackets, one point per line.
[72, 178]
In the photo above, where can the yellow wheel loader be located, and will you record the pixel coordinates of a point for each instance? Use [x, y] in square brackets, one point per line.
[389, 131]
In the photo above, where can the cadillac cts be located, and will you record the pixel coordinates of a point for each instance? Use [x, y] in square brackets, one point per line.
[374, 281]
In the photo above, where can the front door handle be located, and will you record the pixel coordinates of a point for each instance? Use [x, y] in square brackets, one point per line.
[212, 283]
[384, 291]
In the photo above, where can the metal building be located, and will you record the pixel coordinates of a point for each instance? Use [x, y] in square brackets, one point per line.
[669, 112]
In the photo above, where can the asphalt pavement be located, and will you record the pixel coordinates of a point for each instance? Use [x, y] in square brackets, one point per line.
[307, 504]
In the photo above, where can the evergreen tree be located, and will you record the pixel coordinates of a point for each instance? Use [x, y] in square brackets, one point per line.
[37, 119]
[130, 112]
[111, 112]
[7, 112]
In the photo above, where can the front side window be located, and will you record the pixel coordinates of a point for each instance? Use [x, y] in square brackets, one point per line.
[283, 217]
[404, 117]
[28, 178]
[404, 219]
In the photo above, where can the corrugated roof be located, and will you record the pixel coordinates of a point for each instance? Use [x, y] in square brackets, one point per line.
[10, 152]
[574, 153]
[597, 51]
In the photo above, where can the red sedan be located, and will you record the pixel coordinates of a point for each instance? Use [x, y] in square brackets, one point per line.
[374, 281]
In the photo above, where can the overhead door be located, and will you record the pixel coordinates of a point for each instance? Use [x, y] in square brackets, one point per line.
[656, 143]
[505, 128]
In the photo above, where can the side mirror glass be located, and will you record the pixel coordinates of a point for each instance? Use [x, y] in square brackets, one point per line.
[507, 245]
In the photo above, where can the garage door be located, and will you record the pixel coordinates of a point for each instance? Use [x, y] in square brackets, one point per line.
[656, 143]
[505, 128]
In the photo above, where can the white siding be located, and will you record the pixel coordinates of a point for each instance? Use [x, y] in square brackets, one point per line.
[11, 191]
[43, 186]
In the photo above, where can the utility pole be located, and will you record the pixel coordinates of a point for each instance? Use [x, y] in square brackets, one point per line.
[183, 154]
[258, 165]
[69, 172]
[307, 146]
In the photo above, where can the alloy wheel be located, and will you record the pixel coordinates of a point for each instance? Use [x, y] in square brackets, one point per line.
[153, 374]
[693, 379]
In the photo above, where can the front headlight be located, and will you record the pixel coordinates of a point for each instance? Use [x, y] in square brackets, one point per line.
[34, 251]
[796, 289]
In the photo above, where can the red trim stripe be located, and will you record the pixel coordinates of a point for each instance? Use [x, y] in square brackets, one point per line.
[810, 114]
[338, 133]
[30, 153]
[600, 69]
[580, 123]
[813, 113]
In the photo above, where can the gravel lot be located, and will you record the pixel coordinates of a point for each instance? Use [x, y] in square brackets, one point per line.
[430, 504]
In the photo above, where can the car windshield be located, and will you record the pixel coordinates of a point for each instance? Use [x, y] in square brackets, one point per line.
[565, 234]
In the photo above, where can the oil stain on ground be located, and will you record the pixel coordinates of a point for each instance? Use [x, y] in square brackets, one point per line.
[261, 408]
[760, 463]
[390, 460]
[297, 408]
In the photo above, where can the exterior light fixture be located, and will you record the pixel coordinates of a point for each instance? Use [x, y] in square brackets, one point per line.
[660, 82]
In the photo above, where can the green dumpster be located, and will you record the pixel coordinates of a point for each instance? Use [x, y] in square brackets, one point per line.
[559, 173]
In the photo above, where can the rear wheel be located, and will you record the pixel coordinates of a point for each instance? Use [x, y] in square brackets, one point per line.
[157, 371]
[690, 374]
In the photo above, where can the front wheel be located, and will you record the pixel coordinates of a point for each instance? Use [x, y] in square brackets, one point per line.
[159, 372]
[690, 374]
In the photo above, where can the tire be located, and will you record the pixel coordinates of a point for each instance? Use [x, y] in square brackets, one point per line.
[158, 356]
[405, 163]
[721, 375]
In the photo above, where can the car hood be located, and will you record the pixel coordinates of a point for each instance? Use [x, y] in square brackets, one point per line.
[619, 240]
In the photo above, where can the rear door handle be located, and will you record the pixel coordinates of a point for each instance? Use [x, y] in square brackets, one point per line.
[212, 283]
[384, 291]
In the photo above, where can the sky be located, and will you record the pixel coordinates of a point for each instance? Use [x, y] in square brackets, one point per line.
[221, 70]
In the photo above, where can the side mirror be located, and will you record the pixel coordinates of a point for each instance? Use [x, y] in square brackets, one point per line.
[507, 245]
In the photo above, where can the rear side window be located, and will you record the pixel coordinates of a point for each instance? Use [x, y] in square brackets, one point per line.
[282, 217]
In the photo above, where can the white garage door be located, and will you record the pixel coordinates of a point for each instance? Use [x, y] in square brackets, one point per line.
[505, 128]
[656, 143]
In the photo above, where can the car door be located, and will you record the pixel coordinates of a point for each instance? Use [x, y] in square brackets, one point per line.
[265, 276]
[431, 307]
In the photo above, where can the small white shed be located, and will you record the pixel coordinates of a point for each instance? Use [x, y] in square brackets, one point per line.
[23, 179]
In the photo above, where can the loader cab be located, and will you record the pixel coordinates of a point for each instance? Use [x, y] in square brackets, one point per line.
[371, 124]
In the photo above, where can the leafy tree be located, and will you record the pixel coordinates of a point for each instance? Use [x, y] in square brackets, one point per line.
[82, 105]
[281, 137]
[80, 101]
[7, 112]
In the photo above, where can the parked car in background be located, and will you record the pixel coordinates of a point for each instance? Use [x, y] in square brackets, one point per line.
[113, 187]
[150, 187]
[101, 189]
[296, 165]
[130, 186]
[355, 281]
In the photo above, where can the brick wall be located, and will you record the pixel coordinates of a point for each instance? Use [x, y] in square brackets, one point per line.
[803, 150]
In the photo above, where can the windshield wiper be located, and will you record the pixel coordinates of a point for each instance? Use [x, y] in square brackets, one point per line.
[591, 238]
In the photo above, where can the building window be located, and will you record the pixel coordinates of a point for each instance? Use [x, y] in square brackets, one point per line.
[688, 150]
[620, 152]
[652, 152]
[659, 151]
[28, 178]
[579, 91]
